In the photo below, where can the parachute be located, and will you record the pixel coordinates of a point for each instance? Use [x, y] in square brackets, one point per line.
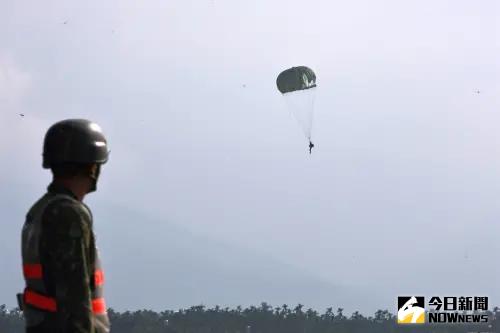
[296, 78]
[298, 86]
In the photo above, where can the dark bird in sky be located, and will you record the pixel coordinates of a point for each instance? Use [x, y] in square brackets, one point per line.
[478, 91]
[21, 114]
[65, 22]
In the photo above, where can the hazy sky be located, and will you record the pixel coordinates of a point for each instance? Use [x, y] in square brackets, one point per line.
[401, 192]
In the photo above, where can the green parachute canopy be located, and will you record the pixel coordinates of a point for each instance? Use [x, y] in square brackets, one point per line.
[296, 78]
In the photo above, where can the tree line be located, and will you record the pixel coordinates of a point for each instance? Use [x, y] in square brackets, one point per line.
[262, 319]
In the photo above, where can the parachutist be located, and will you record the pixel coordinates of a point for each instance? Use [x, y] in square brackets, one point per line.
[311, 146]
[297, 84]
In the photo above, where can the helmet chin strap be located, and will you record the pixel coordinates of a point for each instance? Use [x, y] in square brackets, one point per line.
[95, 170]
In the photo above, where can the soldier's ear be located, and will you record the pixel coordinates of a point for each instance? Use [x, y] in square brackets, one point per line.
[93, 171]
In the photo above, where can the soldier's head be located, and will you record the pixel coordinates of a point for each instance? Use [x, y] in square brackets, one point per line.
[75, 149]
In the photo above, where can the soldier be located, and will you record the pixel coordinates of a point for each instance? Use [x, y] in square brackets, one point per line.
[60, 261]
[311, 146]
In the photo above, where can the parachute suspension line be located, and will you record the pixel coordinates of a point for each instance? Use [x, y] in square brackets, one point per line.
[300, 105]
[313, 99]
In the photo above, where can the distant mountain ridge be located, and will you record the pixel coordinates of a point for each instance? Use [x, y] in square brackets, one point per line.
[184, 269]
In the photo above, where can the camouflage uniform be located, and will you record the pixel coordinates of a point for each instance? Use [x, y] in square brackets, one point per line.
[68, 255]
[61, 265]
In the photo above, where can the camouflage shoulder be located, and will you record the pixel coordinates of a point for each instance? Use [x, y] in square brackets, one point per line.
[66, 217]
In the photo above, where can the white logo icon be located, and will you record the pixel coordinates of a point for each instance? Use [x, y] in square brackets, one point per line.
[409, 309]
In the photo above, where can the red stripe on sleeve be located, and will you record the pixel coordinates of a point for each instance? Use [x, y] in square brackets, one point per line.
[99, 306]
[99, 277]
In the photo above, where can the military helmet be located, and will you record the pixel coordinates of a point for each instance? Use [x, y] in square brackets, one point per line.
[77, 141]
